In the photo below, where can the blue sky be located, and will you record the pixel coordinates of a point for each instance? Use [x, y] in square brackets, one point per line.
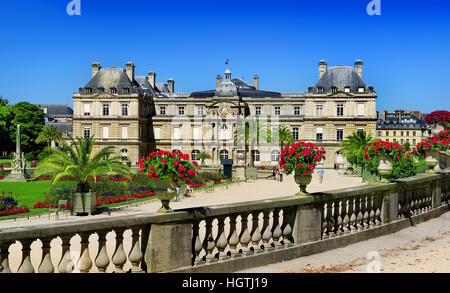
[46, 54]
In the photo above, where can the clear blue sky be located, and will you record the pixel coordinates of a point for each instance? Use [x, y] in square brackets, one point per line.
[46, 54]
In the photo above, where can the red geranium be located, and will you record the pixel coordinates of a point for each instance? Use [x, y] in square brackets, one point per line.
[301, 156]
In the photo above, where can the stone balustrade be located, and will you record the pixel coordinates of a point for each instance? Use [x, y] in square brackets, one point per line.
[225, 237]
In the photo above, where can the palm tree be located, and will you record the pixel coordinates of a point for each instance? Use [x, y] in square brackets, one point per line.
[203, 156]
[254, 137]
[48, 134]
[77, 161]
[285, 136]
[353, 146]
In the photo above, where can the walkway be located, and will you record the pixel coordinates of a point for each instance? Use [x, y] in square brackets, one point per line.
[424, 248]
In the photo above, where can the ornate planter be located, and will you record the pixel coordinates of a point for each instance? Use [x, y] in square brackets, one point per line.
[84, 202]
[302, 180]
[384, 167]
[431, 161]
[165, 190]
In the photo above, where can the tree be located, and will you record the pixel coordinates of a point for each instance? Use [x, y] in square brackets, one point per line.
[6, 117]
[285, 136]
[353, 147]
[203, 156]
[3, 102]
[78, 161]
[254, 133]
[31, 120]
[48, 134]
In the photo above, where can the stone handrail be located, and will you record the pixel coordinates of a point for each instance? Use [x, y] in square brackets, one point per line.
[206, 238]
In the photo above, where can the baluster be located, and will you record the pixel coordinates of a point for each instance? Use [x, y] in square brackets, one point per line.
[364, 214]
[256, 233]
[119, 257]
[370, 213]
[233, 238]
[135, 255]
[66, 264]
[209, 243]
[85, 262]
[46, 265]
[351, 217]
[221, 240]
[379, 202]
[276, 229]
[102, 259]
[287, 229]
[329, 220]
[336, 212]
[4, 257]
[26, 266]
[197, 244]
[245, 237]
[358, 215]
[344, 216]
[267, 234]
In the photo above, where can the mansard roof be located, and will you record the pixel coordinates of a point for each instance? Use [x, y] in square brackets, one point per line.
[340, 77]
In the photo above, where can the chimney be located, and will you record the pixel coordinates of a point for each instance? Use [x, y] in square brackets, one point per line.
[256, 81]
[95, 68]
[218, 80]
[130, 70]
[152, 79]
[171, 85]
[358, 67]
[322, 68]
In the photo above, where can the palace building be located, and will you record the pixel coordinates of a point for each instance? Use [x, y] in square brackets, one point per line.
[137, 115]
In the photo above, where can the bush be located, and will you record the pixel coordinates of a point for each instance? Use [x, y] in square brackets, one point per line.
[62, 192]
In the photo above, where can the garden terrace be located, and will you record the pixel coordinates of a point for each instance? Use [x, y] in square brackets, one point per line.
[226, 238]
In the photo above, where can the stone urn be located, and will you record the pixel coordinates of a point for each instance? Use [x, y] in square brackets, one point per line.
[302, 180]
[165, 190]
[384, 167]
[432, 160]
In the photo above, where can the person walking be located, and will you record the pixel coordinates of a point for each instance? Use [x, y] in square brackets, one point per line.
[277, 175]
[281, 175]
[321, 171]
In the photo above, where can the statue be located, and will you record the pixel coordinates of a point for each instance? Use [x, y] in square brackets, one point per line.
[18, 173]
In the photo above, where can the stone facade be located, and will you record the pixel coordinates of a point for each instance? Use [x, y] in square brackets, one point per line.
[157, 117]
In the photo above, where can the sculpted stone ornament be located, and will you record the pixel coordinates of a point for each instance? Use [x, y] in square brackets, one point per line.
[18, 173]
[224, 110]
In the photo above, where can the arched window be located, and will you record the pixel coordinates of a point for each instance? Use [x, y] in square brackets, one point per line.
[194, 155]
[176, 151]
[223, 154]
[124, 154]
[275, 156]
[256, 156]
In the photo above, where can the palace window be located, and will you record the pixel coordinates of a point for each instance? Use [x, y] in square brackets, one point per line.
[414, 133]
[88, 90]
[87, 109]
[407, 133]
[124, 132]
[402, 141]
[379, 133]
[361, 90]
[87, 132]
[275, 156]
[387, 133]
[256, 155]
[340, 134]
[387, 139]
[181, 110]
[319, 110]
[124, 110]
[199, 110]
[340, 109]
[105, 132]
[126, 90]
[113, 90]
[320, 89]
[401, 133]
[223, 154]
[257, 110]
[124, 155]
[194, 155]
[347, 89]
[360, 129]
[295, 133]
[414, 141]
[334, 89]
[319, 134]
[277, 110]
[361, 110]
[100, 90]
[395, 133]
[297, 110]
[105, 109]
[162, 110]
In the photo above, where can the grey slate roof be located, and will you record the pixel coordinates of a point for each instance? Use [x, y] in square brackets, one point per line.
[407, 121]
[145, 85]
[162, 87]
[113, 77]
[56, 110]
[340, 77]
[243, 88]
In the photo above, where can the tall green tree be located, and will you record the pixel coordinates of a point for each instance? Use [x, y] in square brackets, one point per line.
[48, 134]
[353, 147]
[31, 120]
[78, 161]
[285, 136]
[6, 117]
[253, 133]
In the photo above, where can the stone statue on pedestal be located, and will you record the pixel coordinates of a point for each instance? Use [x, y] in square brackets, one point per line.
[18, 173]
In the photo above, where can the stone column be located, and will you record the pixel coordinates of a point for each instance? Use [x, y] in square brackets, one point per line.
[389, 207]
[169, 247]
[308, 223]
[436, 193]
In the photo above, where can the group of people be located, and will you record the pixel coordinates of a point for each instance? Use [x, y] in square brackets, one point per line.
[188, 193]
[277, 174]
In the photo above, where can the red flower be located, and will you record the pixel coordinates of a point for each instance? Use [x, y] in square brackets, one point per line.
[163, 161]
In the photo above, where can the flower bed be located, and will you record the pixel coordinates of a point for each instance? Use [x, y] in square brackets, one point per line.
[47, 205]
[301, 157]
[10, 206]
[13, 211]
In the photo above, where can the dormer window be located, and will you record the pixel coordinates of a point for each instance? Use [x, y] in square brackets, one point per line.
[100, 90]
[347, 89]
[88, 90]
[126, 90]
[360, 90]
[320, 90]
[334, 89]
[113, 90]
